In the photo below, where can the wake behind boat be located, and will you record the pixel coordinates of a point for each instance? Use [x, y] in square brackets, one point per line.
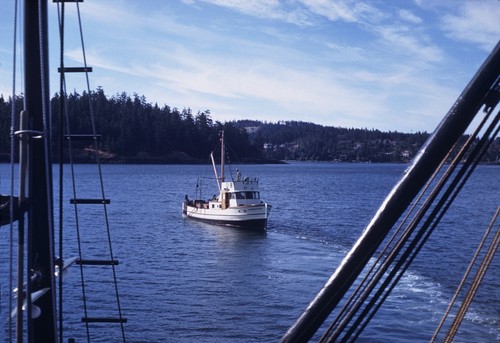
[238, 203]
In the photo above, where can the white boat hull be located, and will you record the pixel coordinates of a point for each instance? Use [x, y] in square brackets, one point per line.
[251, 216]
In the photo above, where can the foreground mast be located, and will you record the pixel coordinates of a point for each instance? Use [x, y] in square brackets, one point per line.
[481, 92]
[40, 255]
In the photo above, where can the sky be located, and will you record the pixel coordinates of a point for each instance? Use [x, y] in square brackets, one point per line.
[386, 65]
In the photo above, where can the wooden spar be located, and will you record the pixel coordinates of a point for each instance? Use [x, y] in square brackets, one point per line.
[451, 128]
[215, 170]
[40, 257]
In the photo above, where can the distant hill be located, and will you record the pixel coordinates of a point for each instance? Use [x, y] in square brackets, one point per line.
[292, 140]
[135, 131]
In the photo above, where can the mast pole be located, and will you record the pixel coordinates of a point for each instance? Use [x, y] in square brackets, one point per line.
[222, 154]
[40, 254]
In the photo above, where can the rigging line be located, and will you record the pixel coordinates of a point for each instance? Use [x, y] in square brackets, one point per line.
[236, 157]
[383, 267]
[94, 131]
[413, 224]
[449, 130]
[389, 283]
[478, 154]
[398, 231]
[76, 213]
[352, 304]
[406, 262]
[75, 207]
[330, 334]
[77, 220]
[12, 142]
[490, 253]
[439, 327]
[467, 272]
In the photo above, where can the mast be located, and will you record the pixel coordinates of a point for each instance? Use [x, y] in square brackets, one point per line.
[40, 255]
[222, 154]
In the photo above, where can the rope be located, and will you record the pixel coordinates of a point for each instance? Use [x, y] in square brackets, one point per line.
[352, 304]
[64, 110]
[356, 301]
[487, 260]
[490, 253]
[385, 262]
[65, 115]
[441, 208]
[439, 211]
[94, 131]
[77, 221]
[408, 260]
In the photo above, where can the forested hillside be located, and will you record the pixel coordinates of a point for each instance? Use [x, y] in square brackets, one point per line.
[306, 141]
[135, 131]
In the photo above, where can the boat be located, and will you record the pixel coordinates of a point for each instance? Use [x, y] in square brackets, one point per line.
[238, 203]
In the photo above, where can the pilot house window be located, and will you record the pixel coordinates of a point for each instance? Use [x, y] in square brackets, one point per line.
[245, 195]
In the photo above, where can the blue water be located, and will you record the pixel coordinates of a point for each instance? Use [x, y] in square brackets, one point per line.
[183, 281]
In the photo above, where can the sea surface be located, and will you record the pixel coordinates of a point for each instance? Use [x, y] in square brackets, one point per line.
[183, 281]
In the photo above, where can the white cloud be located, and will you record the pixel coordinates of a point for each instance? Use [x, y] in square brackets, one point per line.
[409, 16]
[388, 80]
[477, 22]
[410, 43]
[267, 9]
[346, 10]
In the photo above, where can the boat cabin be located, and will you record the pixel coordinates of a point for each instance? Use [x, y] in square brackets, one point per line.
[239, 193]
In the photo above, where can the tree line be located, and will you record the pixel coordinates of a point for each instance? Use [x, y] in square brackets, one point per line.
[133, 130]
